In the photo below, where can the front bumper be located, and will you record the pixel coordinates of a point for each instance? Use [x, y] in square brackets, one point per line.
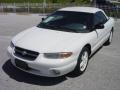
[45, 67]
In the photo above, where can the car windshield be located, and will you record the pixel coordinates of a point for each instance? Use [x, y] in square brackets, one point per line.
[68, 21]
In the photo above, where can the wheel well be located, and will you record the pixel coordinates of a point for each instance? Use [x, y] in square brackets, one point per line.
[89, 47]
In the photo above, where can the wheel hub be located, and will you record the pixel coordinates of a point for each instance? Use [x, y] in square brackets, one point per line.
[84, 61]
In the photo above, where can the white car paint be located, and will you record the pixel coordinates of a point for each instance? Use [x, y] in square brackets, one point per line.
[51, 41]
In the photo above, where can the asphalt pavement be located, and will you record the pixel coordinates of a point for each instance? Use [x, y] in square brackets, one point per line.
[103, 72]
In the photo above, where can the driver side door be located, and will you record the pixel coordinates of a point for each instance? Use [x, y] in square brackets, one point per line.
[100, 20]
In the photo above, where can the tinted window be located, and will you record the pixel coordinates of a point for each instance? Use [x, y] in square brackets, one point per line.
[99, 18]
[68, 21]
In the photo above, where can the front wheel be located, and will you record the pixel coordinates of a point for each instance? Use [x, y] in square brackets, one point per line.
[82, 61]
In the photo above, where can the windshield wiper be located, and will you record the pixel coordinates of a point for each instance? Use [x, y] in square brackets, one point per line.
[57, 27]
[43, 25]
[69, 29]
[61, 28]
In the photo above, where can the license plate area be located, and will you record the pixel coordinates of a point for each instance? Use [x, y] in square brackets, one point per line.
[21, 64]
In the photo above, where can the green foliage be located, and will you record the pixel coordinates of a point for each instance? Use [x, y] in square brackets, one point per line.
[50, 1]
[21, 1]
[83, 1]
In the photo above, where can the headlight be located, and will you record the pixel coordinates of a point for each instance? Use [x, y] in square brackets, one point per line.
[58, 55]
[12, 45]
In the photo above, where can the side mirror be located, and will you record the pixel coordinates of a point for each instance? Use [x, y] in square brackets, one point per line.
[99, 26]
[43, 19]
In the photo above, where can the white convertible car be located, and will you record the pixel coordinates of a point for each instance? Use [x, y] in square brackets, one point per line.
[62, 42]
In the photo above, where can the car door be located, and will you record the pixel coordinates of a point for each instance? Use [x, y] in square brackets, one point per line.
[100, 19]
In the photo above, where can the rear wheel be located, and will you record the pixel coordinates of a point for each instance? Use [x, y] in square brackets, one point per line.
[82, 61]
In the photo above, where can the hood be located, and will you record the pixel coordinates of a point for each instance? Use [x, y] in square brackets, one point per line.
[45, 40]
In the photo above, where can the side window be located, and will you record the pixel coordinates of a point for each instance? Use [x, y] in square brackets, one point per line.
[99, 18]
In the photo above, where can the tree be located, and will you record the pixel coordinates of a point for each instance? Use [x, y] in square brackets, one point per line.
[72, 1]
[54, 1]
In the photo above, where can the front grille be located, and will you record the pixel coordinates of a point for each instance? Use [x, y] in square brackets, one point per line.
[25, 54]
[21, 64]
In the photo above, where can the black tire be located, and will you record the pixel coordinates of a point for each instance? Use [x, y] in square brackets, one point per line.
[77, 70]
[108, 42]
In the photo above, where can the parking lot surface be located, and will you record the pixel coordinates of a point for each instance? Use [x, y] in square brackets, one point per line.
[103, 72]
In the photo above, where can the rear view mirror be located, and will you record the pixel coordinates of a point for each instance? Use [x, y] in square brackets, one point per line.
[43, 19]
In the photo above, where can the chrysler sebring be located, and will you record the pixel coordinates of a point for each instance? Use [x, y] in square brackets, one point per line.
[62, 42]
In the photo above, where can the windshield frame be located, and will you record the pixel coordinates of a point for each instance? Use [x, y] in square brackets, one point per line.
[59, 28]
